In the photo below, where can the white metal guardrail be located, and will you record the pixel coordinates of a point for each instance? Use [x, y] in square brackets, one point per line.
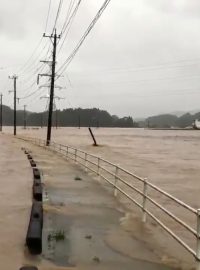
[105, 169]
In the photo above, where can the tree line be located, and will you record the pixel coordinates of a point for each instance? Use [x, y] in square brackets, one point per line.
[69, 118]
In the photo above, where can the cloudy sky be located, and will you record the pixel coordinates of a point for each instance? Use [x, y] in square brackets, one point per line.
[141, 58]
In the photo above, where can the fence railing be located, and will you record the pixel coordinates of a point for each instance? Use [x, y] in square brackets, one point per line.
[140, 193]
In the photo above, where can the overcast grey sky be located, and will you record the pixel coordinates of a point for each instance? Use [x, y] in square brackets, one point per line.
[141, 58]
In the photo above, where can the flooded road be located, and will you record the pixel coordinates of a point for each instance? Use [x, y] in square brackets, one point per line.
[89, 216]
[170, 159]
[15, 203]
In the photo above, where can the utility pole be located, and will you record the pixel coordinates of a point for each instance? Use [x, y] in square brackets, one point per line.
[56, 118]
[79, 121]
[1, 117]
[49, 126]
[14, 78]
[41, 120]
[25, 116]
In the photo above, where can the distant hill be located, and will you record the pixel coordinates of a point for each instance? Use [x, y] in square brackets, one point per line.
[69, 117]
[98, 118]
[169, 120]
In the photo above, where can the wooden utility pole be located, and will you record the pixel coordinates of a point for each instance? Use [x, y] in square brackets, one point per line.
[79, 121]
[56, 118]
[25, 116]
[1, 116]
[14, 78]
[49, 126]
[41, 120]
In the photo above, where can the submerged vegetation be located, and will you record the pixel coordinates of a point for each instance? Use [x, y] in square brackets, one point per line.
[56, 235]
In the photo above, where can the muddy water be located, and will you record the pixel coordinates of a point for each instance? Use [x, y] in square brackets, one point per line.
[15, 199]
[169, 159]
[15, 203]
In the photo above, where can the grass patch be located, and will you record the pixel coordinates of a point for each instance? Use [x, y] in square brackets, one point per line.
[57, 236]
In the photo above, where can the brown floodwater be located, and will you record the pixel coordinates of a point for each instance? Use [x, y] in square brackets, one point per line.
[167, 158]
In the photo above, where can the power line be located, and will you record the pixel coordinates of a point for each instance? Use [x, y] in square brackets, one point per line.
[57, 15]
[33, 100]
[29, 67]
[69, 23]
[71, 4]
[92, 24]
[30, 76]
[181, 78]
[178, 93]
[47, 16]
[31, 94]
[34, 79]
[40, 41]
[141, 68]
[33, 53]
[68, 18]
[39, 69]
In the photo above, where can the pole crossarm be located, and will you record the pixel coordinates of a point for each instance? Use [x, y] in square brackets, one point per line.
[42, 75]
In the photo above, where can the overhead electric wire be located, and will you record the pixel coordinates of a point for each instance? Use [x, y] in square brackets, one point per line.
[103, 82]
[57, 14]
[31, 94]
[40, 41]
[36, 60]
[38, 68]
[174, 93]
[69, 16]
[69, 23]
[140, 68]
[33, 53]
[71, 4]
[21, 70]
[32, 84]
[49, 7]
[33, 100]
[32, 76]
[92, 24]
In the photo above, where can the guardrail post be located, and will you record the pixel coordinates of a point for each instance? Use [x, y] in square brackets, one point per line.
[144, 215]
[116, 178]
[67, 151]
[198, 240]
[86, 162]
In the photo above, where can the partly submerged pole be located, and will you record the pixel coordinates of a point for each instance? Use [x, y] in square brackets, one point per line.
[91, 133]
